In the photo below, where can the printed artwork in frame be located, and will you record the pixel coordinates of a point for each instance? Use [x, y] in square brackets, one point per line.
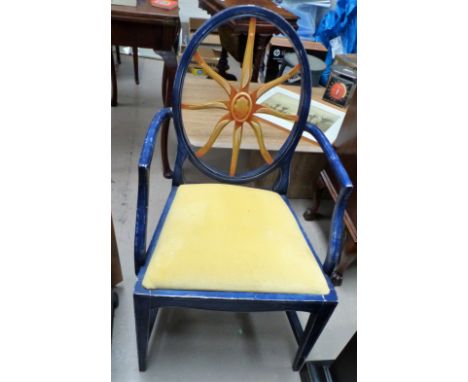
[326, 118]
[339, 90]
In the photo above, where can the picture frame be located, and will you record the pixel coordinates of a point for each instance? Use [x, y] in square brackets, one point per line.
[339, 90]
[327, 118]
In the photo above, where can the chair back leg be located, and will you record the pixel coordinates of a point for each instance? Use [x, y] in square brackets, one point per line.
[295, 325]
[315, 324]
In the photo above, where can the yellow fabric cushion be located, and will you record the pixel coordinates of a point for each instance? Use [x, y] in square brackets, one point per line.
[232, 238]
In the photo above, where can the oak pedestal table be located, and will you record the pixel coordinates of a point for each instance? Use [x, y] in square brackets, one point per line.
[233, 35]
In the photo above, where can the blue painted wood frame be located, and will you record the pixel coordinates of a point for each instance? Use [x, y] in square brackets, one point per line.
[337, 222]
[229, 300]
[346, 187]
[147, 302]
[144, 166]
[283, 156]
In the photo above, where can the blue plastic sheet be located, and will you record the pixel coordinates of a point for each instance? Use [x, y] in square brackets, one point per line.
[339, 22]
[307, 13]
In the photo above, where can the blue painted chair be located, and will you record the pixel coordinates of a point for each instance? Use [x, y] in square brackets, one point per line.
[225, 246]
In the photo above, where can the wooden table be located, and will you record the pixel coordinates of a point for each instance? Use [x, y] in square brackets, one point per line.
[233, 34]
[148, 27]
[198, 124]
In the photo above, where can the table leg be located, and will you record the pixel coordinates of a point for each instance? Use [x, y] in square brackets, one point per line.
[223, 66]
[311, 212]
[260, 47]
[117, 54]
[348, 256]
[135, 64]
[170, 67]
[114, 83]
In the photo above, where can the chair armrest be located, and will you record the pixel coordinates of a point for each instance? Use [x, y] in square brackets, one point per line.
[346, 187]
[144, 166]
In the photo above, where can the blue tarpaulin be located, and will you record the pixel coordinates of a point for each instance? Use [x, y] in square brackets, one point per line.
[339, 22]
[337, 27]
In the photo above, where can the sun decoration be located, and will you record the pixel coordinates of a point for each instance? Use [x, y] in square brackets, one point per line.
[241, 105]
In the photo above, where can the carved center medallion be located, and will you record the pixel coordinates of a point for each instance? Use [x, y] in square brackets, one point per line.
[241, 107]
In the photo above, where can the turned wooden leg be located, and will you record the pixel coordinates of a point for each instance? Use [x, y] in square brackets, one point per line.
[311, 212]
[169, 70]
[260, 47]
[348, 256]
[114, 306]
[223, 66]
[114, 82]
[135, 64]
[117, 54]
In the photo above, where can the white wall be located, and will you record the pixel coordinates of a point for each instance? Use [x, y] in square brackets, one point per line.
[189, 8]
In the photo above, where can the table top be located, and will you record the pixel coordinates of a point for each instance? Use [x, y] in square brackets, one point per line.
[242, 25]
[144, 12]
[199, 123]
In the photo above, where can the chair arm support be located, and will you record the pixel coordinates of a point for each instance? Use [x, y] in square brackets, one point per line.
[144, 166]
[346, 187]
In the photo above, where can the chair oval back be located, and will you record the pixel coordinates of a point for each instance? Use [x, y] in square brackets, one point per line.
[240, 105]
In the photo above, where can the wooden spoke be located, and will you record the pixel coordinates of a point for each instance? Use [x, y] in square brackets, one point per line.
[265, 87]
[207, 105]
[248, 56]
[215, 76]
[236, 142]
[257, 128]
[220, 125]
[241, 105]
[276, 113]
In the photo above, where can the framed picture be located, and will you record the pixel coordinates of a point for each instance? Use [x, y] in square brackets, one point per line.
[339, 90]
[327, 119]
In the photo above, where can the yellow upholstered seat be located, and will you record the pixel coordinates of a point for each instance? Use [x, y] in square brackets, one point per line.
[232, 238]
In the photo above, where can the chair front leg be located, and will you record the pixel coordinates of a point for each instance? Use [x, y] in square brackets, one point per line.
[142, 324]
[315, 325]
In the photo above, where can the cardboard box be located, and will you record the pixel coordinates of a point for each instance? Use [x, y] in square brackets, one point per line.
[349, 60]
[210, 55]
[195, 23]
[210, 48]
